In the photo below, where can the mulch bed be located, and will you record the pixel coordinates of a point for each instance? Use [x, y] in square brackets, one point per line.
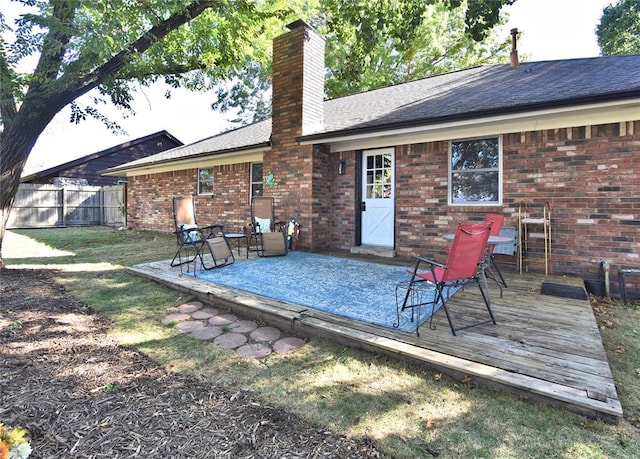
[81, 395]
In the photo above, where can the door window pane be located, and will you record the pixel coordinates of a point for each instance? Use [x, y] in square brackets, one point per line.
[379, 176]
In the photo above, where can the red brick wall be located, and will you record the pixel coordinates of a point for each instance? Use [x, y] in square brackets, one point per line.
[303, 187]
[345, 206]
[590, 176]
[149, 204]
[591, 179]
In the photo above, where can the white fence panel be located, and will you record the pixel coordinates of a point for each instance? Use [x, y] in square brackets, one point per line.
[114, 205]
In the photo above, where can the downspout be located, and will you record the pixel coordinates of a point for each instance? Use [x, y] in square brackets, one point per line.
[606, 267]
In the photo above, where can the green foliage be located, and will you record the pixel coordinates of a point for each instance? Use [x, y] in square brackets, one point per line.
[619, 28]
[207, 49]
[376, 43]
[16, 325]
[250, 92]
[115, 46]
[392, 46]
[111, 387]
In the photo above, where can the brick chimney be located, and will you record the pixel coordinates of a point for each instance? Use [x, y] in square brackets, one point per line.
[298, 80]
[297, 109]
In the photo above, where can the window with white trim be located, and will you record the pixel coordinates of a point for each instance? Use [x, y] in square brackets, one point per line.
[475, 172]
[205, 180]
[256, 183]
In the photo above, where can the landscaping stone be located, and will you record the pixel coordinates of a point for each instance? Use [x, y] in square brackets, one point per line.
[243, 326]
[256, 350]
[265, 334]
[189, 325]
[190, 307]
[176, 317]
[205, 313]
[223, 319]
[287, 345]
[207, 333]
[230, 340]
[209, 310]
[207, 324]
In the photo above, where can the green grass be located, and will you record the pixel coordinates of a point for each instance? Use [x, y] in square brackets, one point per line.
[408, 410]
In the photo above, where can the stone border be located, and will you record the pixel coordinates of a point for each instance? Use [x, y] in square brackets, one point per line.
[230, 332]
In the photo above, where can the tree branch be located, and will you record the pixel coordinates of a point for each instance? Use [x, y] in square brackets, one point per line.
[176, 69]
[70, 86]
[56, 41]
[143, 43]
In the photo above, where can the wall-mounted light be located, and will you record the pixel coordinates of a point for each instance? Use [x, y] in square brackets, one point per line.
[341, 165]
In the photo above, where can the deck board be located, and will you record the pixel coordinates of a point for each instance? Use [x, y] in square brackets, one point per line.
[545, 347]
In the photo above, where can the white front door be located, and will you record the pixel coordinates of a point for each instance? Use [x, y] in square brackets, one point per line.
[378, 191]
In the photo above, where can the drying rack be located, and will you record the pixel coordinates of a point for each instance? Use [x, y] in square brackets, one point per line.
[527, 220]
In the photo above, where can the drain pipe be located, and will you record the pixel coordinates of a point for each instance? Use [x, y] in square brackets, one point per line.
[606, 267]
[515, 61]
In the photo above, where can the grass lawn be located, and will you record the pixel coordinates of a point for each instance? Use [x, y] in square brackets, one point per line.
[408, 410]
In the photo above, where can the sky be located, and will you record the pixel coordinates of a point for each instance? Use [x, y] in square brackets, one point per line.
[549, 30]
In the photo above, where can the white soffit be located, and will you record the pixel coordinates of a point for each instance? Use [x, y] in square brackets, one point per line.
[577, 116]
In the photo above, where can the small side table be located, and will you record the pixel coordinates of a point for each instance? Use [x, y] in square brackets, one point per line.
[238, 237]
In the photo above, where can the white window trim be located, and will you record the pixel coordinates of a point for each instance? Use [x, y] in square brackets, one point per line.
[500, 182]
[251, 182]
[212, 181]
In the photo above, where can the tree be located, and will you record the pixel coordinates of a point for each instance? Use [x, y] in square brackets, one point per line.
[375, 43]
[619, 28]
[436, 38]
[109, 44]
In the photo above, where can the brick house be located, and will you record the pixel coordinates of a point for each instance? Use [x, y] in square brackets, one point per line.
[397, 167]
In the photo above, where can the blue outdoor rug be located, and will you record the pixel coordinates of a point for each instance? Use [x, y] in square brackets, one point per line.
[350, 288]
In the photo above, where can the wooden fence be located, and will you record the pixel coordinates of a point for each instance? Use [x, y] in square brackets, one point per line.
[37, 206]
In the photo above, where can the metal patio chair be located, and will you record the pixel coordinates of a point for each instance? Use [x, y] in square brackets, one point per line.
[462, 267]
[196, 243]
[497, 221]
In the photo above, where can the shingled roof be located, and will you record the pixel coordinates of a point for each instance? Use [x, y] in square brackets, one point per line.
[462, 95]
[485, 91]
[253, 136]
[88, 167]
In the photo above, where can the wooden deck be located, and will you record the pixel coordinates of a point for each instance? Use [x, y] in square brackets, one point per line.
[544, 347]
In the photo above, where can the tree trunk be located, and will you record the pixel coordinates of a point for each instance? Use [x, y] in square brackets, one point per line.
[15, 145]
[48, 93]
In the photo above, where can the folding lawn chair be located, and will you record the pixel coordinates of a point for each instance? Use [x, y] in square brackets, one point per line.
[197, 243]
[466, 253]
[264, 232]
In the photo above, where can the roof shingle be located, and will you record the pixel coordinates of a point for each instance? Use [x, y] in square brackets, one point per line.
[471, 93]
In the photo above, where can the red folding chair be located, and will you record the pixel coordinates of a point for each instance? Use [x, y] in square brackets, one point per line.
[497, 220]
[466, 253]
